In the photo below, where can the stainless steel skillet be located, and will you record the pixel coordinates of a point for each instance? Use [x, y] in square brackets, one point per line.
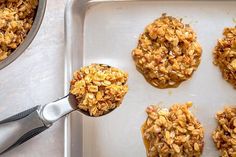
[30, 36]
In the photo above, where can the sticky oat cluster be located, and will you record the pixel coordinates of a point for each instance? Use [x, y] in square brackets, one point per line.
[167, 52]
[16, 19]
[172, 133]
[99, 88]
[225, 134]
[225, 55]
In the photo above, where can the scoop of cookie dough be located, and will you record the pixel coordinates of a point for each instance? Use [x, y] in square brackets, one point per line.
[99, 88]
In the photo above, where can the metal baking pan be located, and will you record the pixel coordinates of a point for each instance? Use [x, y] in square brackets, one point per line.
[30, 36]
[106, 32]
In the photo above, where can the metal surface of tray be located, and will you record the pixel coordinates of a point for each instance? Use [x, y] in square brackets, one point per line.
[106, 32]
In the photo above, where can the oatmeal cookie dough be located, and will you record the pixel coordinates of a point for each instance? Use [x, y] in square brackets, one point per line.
[16, 19]
[225, 55]
[167, 53]
[172, 133]
[224, 136]
[99, 88]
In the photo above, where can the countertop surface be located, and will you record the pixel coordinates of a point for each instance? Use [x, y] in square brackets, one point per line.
[35, 78]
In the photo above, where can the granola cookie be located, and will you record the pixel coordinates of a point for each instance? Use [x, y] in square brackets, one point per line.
[172, 133]
[99, 88]
[167, 53]
[16, 19]
[224, 136]
[225, 55]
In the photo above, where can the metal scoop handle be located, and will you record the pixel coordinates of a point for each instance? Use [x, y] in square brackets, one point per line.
[21, 127]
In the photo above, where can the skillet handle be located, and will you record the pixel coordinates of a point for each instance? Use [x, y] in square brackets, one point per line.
[19, 128]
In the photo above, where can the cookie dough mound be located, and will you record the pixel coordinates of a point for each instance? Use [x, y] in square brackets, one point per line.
[172, 133]
[225, 55]
[167, 53]
[224, 136]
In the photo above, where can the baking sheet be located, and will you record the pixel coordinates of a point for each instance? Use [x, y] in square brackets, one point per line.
[106, 32]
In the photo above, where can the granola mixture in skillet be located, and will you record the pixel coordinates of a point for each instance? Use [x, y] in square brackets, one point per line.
[225, 55]
[225, 134]
[167, 53]
[172, 133]
[99, 88]
[16, 19]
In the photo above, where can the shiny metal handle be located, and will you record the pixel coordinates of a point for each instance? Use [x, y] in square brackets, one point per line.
[19, 128]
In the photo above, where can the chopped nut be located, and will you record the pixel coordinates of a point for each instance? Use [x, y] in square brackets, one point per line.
[92, 88]
[176, 148]
[176, 137]
[233, 64]
[190, 128]
[167, 52]
[196, 147]
[224, 136]
[225, 55]
[99, 88]
[16, 19]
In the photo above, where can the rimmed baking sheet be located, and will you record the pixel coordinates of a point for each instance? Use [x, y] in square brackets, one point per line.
[106, 32]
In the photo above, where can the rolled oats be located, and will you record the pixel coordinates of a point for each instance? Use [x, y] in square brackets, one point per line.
[225, 134]
[225, 55]
[16, 19]
[167, 52]
[172, 133]
[99, 88]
